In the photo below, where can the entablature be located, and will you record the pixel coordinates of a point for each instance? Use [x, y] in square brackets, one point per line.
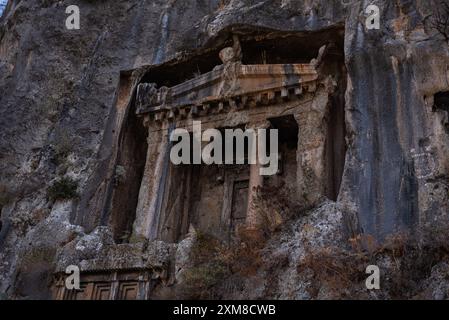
[231, 85]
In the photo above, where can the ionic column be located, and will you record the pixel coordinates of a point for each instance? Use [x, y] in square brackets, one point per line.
[253, 219]
[310, 157]
[147, 211]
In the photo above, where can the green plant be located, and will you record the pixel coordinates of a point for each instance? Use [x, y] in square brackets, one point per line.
[5, 196]
[200, 280]
[64, 188]
[209, 268]
[62, 147]
[119, 175]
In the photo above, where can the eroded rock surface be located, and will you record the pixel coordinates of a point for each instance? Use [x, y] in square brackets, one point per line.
[62, 112]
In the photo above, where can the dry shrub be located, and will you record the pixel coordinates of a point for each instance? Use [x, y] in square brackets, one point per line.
[415, 256]
[246, 253]
[215, 264]
[275, 205]
[411, 258]
[37, 255]
[199, 281]
[222, 4]
[440, 21]
[335, 268]
[208, 269]
[343, 272]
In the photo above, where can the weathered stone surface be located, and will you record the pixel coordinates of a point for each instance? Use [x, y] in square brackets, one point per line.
[183, 252]
[226, 83]
[56, 83]
[97, 251]
[321, 228]
[436, 286]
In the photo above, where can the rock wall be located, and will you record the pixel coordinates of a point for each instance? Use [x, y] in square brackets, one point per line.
[61, 110]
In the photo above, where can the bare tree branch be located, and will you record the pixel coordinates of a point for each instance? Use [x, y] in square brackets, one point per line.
[440, 21]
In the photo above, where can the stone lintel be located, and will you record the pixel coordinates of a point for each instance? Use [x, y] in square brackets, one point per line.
[233, 84]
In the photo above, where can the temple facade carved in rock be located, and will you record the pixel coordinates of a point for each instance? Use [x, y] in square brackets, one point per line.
[303, 101]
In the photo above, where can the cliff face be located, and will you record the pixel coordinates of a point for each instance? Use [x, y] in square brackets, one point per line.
[60, 100]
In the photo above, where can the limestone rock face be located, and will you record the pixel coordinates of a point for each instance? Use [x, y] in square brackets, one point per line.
[319, 229]
[62, 112]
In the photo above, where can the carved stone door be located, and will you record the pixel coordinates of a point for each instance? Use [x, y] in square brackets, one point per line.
[239, 203]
